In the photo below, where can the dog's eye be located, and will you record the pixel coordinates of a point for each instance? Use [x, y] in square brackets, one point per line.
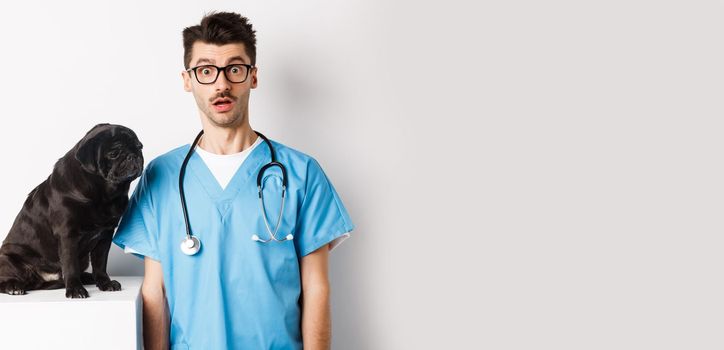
[114, 154]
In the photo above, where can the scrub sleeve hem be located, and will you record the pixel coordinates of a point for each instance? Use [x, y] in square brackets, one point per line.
[139, 253]
[337, 241]
[328, 239]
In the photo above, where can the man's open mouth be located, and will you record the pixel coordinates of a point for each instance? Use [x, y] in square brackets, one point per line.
[223, 104]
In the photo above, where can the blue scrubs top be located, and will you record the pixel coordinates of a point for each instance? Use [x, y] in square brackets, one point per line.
[235, 293]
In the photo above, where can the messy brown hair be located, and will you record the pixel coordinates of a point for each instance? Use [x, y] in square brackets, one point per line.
[221, 28]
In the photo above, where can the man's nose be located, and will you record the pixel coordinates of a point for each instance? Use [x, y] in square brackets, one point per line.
[221, 82]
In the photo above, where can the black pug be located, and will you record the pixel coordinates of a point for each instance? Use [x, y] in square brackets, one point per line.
[70, 217]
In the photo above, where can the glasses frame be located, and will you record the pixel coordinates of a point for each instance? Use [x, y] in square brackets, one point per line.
[219, 70]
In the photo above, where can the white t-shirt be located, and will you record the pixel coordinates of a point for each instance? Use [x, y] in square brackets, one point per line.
[224, 166]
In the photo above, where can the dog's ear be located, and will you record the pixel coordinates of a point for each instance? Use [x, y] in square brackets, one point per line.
[87, 154]
[88, 151]
[96, 127]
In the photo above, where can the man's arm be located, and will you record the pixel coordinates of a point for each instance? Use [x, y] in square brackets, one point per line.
[155, 309]
[316, 319]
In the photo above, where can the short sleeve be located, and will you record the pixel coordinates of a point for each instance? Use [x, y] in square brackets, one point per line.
[137, 233]
[322, 217]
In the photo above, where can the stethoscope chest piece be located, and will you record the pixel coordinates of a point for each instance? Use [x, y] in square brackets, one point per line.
[190, 246]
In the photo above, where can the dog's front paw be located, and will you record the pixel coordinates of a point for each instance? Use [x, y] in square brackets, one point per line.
[109, 286]
[12, 288]
[76, 292]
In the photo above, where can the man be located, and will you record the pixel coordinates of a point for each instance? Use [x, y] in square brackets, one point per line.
[235, 292]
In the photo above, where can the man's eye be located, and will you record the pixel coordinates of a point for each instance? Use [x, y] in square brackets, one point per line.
[235, 70]
[204, 71]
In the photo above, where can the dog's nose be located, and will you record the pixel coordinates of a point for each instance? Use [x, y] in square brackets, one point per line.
[135, 159]
[132, 157]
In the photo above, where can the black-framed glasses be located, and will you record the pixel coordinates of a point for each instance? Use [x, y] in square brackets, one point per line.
[234, 73]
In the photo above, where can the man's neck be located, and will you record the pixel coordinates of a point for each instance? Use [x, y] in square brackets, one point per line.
[227, 140]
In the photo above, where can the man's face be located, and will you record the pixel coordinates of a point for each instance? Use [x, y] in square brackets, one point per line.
[209, 96]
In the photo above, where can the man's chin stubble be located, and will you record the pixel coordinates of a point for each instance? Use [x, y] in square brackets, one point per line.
[232, 123]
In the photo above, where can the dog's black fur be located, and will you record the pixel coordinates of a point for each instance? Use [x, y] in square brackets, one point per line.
[69, 219]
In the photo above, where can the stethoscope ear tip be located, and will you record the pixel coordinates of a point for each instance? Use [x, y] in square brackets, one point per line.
[256, 238]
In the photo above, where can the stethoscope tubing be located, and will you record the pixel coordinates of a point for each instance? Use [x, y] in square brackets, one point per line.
[191, 244]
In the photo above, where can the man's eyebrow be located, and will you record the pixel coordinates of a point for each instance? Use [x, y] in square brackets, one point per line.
[235, 58]
[204, 60]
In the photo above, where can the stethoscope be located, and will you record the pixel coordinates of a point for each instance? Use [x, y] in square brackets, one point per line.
[191, 244]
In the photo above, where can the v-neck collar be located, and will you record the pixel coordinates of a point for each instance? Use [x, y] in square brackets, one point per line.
[206, 179]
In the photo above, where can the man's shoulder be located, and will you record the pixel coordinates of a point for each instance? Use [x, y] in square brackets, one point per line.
[302, 162]
[167, 163]
[292, 155]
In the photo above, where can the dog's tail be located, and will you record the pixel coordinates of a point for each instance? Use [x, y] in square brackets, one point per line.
[85, 278]
[56, 284]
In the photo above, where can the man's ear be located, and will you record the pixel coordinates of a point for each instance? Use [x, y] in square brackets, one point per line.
[254, 78]
[186, 76]
[87, 154]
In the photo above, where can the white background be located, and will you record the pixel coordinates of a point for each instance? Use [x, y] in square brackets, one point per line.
[522, 174]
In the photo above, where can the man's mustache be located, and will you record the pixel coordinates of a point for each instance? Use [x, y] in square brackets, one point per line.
[226, 94]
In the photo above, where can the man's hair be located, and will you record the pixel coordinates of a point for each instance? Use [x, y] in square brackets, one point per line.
[221, 28]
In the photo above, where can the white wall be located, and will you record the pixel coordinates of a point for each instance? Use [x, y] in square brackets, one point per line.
[523, 174]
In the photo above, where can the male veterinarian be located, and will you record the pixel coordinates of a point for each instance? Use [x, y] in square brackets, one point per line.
[229, 278]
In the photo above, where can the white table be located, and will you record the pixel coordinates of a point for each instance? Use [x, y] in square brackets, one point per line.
[46, 319]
